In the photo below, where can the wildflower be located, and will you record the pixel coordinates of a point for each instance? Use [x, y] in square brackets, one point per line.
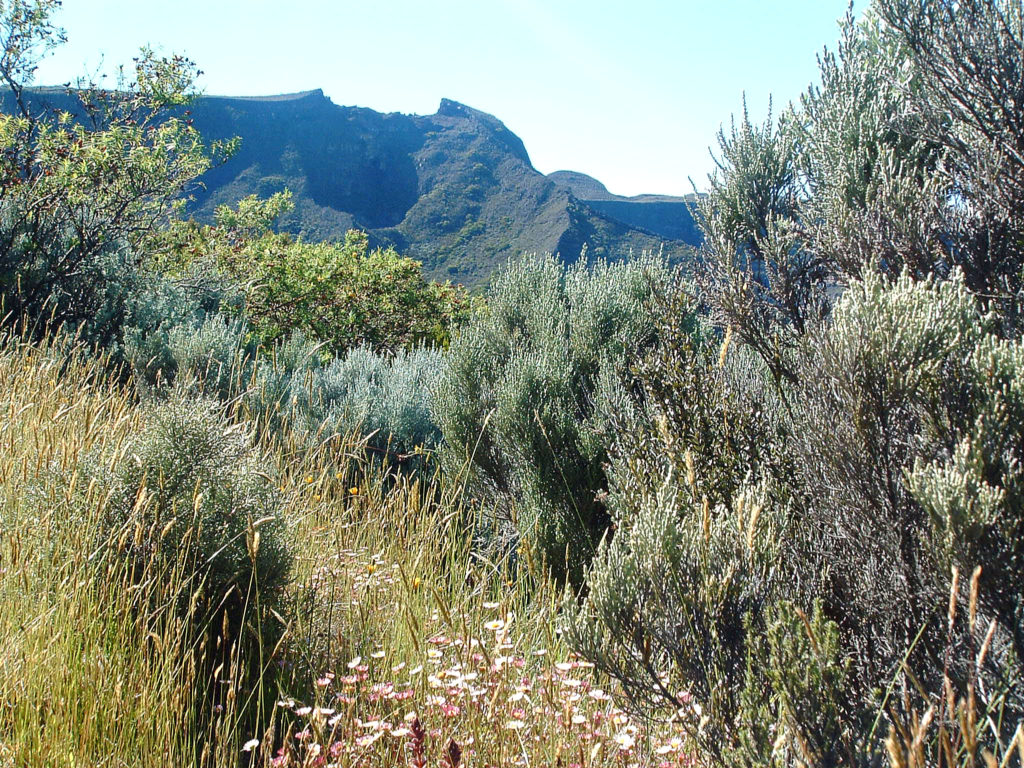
[625, 741]
[673, 746]
[514, 725]
[354, 490]
[416, 582]
[368, 739]
[250, 745]
[355, 662]
[309, 479]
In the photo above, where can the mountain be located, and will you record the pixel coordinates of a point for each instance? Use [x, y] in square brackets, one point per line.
[455, 189]
[665, 215]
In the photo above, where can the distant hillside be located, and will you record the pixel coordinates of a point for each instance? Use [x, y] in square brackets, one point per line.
[455, 189]
[663, 215]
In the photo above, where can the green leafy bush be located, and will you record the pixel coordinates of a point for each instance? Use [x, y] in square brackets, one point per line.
[338, 294]
[80, 195]
[517, 398]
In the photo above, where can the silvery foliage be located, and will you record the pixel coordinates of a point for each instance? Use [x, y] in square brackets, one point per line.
[516, 401]
[362, 393]
[897, 457]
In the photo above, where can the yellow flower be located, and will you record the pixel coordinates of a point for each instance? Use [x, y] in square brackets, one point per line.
[309, 478]
[416, 582]
[354, 490]
[371, 568]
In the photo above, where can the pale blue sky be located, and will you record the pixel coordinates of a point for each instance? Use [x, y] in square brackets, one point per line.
[632, 93]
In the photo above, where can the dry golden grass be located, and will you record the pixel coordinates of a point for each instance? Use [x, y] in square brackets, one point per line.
[390, 623]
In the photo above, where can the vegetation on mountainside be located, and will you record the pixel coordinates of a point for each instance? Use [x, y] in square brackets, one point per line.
[273, 502]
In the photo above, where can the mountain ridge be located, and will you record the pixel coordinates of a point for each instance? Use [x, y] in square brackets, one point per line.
[455, 190]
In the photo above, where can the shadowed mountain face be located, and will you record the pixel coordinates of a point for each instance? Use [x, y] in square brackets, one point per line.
[664, 215]
[455, 189]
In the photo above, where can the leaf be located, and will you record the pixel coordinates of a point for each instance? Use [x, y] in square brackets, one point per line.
[452, 754]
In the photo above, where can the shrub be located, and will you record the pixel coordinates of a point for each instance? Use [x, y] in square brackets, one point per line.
[516, 400]
[893, 461]
[192, 503]
[80, 193]
[184, 325]
[341, 294]
[677, 599]
[384, 397]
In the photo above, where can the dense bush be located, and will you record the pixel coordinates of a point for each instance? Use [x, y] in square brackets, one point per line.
[292, 387]
[79, 195]
[896, 461]
[340, 294]
[694, 571]
[517, 401]
[362, 392]
[792, 513]
[191, 503]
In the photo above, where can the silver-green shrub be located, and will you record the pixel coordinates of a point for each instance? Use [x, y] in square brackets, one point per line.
[362, 392]
[191, 502]
[895, 458]
[516, 398]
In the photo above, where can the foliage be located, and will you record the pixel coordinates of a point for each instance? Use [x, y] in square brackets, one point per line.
[384, 398]
[969, 60]
[517, 402]
[896, 461]
[383, 569]
[905, 157]
[341, 294]
[79, 194]
[756, 278]
[677, 599]
[864, 251]
[190, 497]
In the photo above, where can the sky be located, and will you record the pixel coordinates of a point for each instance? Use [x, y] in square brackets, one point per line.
[632, 93]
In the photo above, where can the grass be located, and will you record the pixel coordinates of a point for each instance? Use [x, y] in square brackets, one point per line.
[398, 645]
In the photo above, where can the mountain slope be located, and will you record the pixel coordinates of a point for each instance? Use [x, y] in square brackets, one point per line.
[663, 215]
[455, 189]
